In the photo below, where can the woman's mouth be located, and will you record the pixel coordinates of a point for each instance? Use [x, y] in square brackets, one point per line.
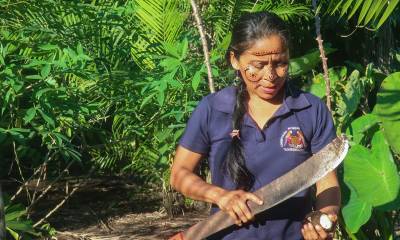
[268, 90]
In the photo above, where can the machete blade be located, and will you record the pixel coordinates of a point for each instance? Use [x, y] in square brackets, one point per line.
[282, 188]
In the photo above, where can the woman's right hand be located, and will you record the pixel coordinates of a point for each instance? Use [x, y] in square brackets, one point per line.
[235, 204]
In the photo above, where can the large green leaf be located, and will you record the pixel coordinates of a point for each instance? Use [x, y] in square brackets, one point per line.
[318, 86]
[350, 98]
[372, 173]
[306, 63]
[356, 212]
[360, 126]
[387, 108]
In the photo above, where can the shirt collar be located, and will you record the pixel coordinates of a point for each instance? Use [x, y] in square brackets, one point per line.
[224, 100]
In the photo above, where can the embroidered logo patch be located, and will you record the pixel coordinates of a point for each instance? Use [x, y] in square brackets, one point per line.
[293, 139]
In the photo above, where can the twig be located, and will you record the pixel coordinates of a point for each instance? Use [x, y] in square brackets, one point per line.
[38, 182]
[36, 187]
[19, 169]
[255, 4]
[204, 43]
[62, 202]
[100, 220]
[50, 186]
[323, 57]
[56, 208]
[34, 174]
[75, 235]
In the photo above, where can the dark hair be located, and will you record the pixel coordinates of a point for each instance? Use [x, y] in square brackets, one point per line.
[248, 29]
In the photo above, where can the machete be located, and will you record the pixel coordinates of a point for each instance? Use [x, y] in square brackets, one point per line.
[279, 190]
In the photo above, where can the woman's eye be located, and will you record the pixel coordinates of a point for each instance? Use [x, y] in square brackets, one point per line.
[281, 64]
[258, 65]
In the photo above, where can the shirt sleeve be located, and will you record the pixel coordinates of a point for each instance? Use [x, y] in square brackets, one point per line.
[195, 137]
[324, 131]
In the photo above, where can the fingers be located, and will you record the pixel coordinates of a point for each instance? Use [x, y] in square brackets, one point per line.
[235, 204]
[311, 232]
[254, 198]
[235, 218]
[239, 212]
[322, 234]
[332, 217]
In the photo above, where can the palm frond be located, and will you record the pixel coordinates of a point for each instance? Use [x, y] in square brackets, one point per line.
[292, 12]
[223, 14]
[161, 22]
[370, 12]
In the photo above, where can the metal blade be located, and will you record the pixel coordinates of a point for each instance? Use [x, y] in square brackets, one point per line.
[282, 188]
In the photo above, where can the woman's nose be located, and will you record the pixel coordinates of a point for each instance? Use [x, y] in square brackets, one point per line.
[270, 73]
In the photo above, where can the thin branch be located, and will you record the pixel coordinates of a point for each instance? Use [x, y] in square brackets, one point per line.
[42, 169]
[105, 225]
[323, 56]
[255, 4]
[48, 157]
[19, 169]
[62, 202]
[56, 208]
[204, 43]
[83, 236]
[348, 35]
[50, 186]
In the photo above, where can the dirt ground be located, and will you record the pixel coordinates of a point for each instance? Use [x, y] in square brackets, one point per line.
[152, 225]
[113, 209]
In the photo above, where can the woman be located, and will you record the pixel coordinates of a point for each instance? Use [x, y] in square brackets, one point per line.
[254, 133]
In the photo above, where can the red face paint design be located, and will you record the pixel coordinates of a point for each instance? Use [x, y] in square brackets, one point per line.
[263, 53]
[266, 72]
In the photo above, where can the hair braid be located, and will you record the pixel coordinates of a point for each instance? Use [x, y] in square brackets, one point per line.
[235, 161]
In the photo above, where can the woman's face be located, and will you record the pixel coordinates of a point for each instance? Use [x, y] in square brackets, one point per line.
[264, 67]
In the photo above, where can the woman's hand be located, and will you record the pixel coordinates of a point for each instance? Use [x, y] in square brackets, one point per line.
[235, 204]
[311, 232]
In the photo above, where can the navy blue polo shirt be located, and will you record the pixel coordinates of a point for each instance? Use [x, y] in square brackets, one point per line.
[300, 127]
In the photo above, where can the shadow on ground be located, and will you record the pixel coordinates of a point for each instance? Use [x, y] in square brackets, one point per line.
[113, 209]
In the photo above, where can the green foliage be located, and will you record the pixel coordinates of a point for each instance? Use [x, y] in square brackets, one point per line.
[370, 172]
[359, 127]
[304, 64]
[387, 109]
[349, 92]
[373, 179]
[370, 12]
[16, 224]
[221, 14]
[356, 212]
[111, 84]
[160, 22]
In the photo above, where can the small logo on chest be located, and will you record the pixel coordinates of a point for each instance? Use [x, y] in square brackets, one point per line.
[293, 139]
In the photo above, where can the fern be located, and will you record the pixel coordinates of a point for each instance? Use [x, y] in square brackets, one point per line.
[161, 22]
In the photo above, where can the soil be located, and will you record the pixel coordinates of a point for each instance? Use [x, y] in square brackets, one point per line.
[112, 209]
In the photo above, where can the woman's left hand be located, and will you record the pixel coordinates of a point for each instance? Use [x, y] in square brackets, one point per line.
[311, 232]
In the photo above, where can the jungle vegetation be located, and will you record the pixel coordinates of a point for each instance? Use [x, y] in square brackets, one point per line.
[105, 87]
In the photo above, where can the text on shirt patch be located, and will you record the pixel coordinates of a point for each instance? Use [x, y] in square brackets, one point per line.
[293, 139]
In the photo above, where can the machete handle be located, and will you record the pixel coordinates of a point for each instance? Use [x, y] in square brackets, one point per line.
[178, 236]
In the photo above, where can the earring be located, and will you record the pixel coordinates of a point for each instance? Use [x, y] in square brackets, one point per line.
[238, 77]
